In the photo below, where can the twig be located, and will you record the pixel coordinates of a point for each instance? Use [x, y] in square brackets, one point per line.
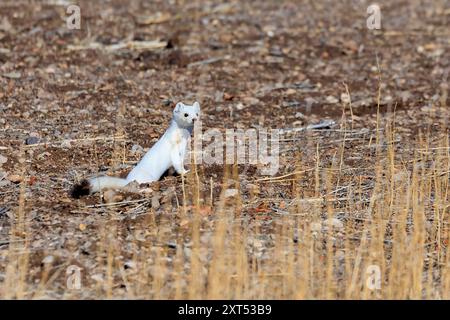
[116, 203]
[130, 45]
[322, 125]
[53, 143]
[203, 62]
[283, 176]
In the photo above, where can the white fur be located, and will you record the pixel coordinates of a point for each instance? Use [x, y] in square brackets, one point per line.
[168, 151]
[102, 182]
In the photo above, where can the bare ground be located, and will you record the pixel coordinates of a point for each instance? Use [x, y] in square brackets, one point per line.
[83, 106]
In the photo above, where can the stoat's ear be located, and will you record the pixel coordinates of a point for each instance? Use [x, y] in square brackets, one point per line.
[196, 106]
[178, 107]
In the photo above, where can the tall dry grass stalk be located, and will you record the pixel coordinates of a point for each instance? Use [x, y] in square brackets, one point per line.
[16, 281]
[400, 229]
[323, 233]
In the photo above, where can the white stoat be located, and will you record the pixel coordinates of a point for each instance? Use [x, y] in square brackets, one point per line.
[168, 151]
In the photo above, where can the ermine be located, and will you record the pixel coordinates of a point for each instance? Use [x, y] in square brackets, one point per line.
[168, 151]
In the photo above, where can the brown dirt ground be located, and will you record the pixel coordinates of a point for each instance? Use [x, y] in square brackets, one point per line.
[279, 64]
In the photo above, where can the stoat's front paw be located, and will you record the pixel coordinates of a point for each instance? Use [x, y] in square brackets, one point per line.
[185, 172]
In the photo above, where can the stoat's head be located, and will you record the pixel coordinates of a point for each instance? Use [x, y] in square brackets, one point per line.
[186, 115]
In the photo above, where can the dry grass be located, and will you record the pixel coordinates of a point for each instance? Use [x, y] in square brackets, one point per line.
[313, 242]
[371, 195]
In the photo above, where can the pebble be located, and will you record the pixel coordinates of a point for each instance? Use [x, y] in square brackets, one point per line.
[137, 149]
[290, 91]
[97, 277]
[310, 101]
[3, 183]
[31, 140]
[251, 100]
[155, 201]
[240, 106]
[227, 96]
[66, 144]
[15, 178]
[231, 193]
[13, 75]
[332, 100]
[48, 260]
[110, 196]
[300, 115]
[129, 264]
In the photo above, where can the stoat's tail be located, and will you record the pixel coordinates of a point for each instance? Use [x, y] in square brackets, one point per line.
[89, 186]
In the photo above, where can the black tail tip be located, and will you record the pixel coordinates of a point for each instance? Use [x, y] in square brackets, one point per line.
[81, 189]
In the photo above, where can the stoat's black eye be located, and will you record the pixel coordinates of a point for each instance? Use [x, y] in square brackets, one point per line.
[186, 115]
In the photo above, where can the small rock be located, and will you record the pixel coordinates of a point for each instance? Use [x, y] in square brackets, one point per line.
[43, 155]
[387, 99]
[48, 260]
[13, 75]
[300, 115]
[97, 277]
[15, 178]
[86, 246]
[66, 144]
[129, 265]
[290, 92]
[240, 106]
[231, 193]
[137, 149]
[132, 187]
[146, 190]
[291, 104]
[4, 183]
[31, 140]
[332, 100]
[227, 96]
[171, 245]
[251, 100]
[155, 201]
[310, 102]
[110, 196]
[3, 160]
